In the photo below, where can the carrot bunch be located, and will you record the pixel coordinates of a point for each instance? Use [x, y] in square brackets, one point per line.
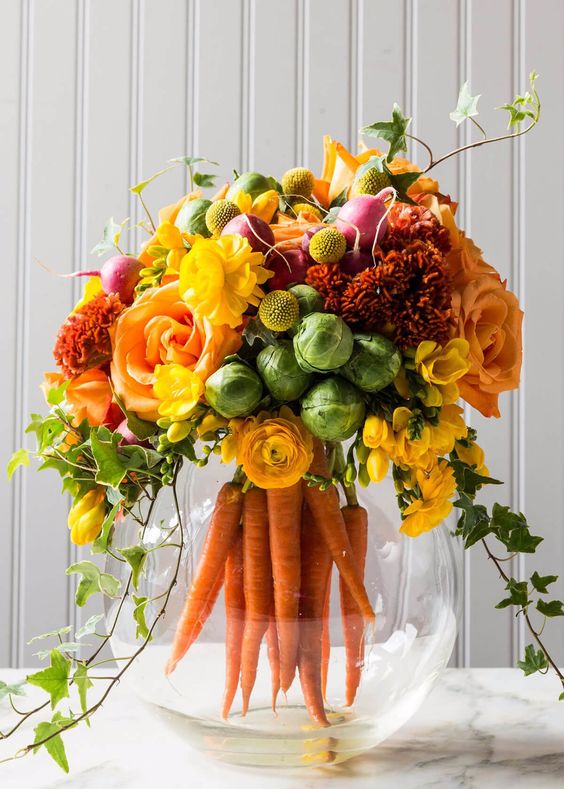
[273, 551]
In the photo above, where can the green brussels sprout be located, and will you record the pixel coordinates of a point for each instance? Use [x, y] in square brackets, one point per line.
[192, 217]
[234, 390]
[278, 368]
[309, 300]
[333, 409]
[323, 342]
[374, 362]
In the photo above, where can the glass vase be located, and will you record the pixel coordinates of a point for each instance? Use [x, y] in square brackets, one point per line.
[413, 586]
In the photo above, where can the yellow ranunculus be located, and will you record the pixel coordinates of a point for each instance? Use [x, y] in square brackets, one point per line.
[434, 506]
[450, 428]
[178, 389]
[275, 453]
[377, 433]
[264, 206]
[220, 278]
[87, 515]
[377, 464]
[473, 455]
[438, 365]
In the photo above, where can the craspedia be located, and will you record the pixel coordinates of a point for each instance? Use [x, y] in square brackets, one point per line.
[370, 182]
[298, 181]
[327, 245]
[279, 310]
[311, 209]
[219, 214]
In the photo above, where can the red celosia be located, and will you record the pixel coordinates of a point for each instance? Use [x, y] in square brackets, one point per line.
[330, 281]
[83, 341]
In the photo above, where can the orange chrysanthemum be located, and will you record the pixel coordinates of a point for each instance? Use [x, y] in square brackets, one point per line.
[83, 341]
[408, 223]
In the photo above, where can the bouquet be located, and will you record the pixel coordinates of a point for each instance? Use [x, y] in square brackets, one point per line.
[318, 333]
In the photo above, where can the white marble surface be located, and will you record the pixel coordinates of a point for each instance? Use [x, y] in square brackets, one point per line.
[479, 728]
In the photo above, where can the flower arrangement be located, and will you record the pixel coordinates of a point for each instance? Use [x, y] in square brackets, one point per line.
[317, 332]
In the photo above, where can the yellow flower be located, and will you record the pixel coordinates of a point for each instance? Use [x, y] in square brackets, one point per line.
[450, 428]
[264, 206]
[434, 506]
[377, 433]
[473, 455]
[210, 423]
[438, 365]
[220, 278]
[178, 389]
[92, 288]
[275, 453]
[408, 451]
[87, 516]
[377, 464]
[171, 238]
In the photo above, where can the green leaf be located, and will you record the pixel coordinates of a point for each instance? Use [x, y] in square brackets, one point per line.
[65, 646]
[55, 746]
[474, 522]
[524, 106]
[189, 161]
[89, 626]
[512, 530]
[392, 132]
[56, 394]
[110, 237]
[52, 633]
[467, 480]
[561, 697]
[542, 582]
[139, 427]
[138, 188]
[14, 689]
[111, 468]
[518, 594]
[100, 544]
[135, 556]
[19, 458]
[140, 457]
[204, 179]
[467, 106]
[340, 200]
[401, 183]
[256, 330]
[55, 679]
[534, 660]
[83, 683]
[92, 581]
[142, 630]
[550, 607]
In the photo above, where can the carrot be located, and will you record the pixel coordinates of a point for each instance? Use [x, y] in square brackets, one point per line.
[316, 568]
[234, 621]
[325, 638]
[284, 519]
[273, 658]
[258, 586]
[356, 520]
[225, 521]
[327, 513]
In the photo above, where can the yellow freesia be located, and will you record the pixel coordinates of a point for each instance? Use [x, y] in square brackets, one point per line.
[377, 433]
[450, 428]
[178, 389]
[473, 455]
[442, 365]
[408, 451]
[170, 237]
[437, 487]
[87, 515]
[440, 395]
[264, 206]
[220, 278]
[210, 423]
[92, 288]
[377, 464]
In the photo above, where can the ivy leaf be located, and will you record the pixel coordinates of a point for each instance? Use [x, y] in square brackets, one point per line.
[46, 430]
[138, 188]
[542, 582]
[468, 481]
[111, 469]
[56, 394]
[467, 106]
[65, 646]
[110, 237]
[83, 683]
[474, 522]
[518, 594]
[16, 689]
[525, 106]
[392, 132]
[142, 630]
[100, 544]
[55, 679]
[534, 661]
[256, 330]
[512, 530]
[189, 161]
[204, 179]
[92, 581]
[550, 607]
[135, 556]
[62, 631]
[139, 427]
[140, 457]
[55, 746]
[89, 626]
[19, 458]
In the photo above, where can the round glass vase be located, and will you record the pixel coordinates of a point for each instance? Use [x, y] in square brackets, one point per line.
[413, 586]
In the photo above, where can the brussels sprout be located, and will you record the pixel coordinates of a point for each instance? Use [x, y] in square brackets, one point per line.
[234, 390]
[309, 301]
[323, 342]
[374, 362]
[278, 368]
[333, 409]
[192, 217]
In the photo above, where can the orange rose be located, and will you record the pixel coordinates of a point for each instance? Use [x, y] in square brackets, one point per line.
[488, 316]
[159, 328]
[89, 396]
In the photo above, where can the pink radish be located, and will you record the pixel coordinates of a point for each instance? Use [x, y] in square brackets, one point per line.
[119, 274]
[362, 217]
[306, 238]
[255, 230]
[355, 261]
[289, 266]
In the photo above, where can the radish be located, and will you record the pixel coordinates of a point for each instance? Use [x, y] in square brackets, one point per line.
[119, 274]
[306, 238]
[355, 261]
[289, 268]
[362, 218]
[255, 230]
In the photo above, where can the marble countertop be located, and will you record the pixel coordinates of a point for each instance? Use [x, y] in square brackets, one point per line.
[478, 728]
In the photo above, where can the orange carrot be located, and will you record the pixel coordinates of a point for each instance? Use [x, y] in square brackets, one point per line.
[221, 533]
[284, 519]
[316, 568]
[234, 621]
[327, 513]
[326, 638]
[258, 586]
[273, 658]
[356, 520]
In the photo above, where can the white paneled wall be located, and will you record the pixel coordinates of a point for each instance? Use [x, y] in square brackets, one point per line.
[96, 94]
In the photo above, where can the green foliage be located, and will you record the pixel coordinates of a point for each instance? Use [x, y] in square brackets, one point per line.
[110, 238]
[83, 684]
[256, 330]
[111, 468]
[518, 594]
[468, 481]
[55, 679]
[54, 745]
[512, 530]
[138, 188]
[92, 581]
[204, 179]
[62, 631]
[523, 107]
[142, 631]
[100, 544]
[542, 582]
[64, 646]
[467, 106]
[135, 556]
[534, 660]
[89, 626]
[11, 689]
[550, 608]
[392, 132]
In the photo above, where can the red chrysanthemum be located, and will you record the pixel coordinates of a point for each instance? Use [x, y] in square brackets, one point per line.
[330, 281]
[408, 223]
[83, 341]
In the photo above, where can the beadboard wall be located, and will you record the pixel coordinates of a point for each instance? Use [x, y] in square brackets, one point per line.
[97, 94]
